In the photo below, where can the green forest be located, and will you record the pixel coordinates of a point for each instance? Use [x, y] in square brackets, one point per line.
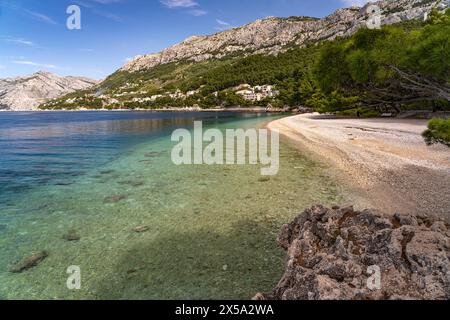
[395, 68]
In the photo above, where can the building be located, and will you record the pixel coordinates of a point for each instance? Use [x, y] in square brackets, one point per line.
[257, 93]
[247, 94]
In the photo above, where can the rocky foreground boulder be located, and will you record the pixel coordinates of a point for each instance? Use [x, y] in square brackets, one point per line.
[345, 254]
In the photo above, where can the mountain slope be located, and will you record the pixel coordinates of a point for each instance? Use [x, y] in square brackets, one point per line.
[273, 35]
[208, 71]
[27, 93]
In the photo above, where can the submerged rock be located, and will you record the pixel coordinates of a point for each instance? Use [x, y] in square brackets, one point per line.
[114, 199]
[341, 253]
[30, 261]
[141, 229]
[105, 172]
[153, 154]
[63, 183]
[71, 235]
[132, 183]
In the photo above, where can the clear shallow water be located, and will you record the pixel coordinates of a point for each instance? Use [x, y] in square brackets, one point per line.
[212, 229]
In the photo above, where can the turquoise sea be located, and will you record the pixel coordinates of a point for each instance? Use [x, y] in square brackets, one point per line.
[211, 229]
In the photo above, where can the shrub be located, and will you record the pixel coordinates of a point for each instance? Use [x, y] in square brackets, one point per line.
[438, 132]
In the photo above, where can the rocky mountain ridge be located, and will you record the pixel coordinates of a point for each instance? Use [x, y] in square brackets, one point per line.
[273, 35]
[28, 92]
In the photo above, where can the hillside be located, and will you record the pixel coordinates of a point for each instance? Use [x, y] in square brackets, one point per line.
[273, 35]
[208, 71]
[27, 93]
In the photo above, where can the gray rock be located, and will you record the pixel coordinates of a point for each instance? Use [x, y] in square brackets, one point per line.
[330, 253]
[29, 262]
[114, 199]
[71, 235]
[27, 93]
[141, 229]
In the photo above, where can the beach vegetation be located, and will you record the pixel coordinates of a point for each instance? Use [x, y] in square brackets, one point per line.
[392, 67]
[438, 132]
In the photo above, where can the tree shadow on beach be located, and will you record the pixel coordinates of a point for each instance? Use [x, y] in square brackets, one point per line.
[199, 265]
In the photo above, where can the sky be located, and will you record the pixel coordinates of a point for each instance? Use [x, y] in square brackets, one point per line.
[34, 34]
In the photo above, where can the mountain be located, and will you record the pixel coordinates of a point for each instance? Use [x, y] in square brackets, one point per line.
[267, 62]
[273, 35]
[27, 93]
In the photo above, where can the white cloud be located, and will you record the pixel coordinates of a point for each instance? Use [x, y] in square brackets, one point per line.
[106, 1]
[86, 50]
[194, 7]
[110, 16]
[35, 64]
[222, 23]
[197, 12]
[37, 15]
[2, 67]
[18, 41]
[41, 17]
[179, 3]
[94, 4]
[359, 3]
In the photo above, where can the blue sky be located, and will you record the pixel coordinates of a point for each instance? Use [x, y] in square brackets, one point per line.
[33, 33]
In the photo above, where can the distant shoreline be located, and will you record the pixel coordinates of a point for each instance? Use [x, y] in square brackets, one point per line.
[256, 110]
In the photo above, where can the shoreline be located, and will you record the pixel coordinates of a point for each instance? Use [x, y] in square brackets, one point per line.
[177, 110]
[382, 163]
